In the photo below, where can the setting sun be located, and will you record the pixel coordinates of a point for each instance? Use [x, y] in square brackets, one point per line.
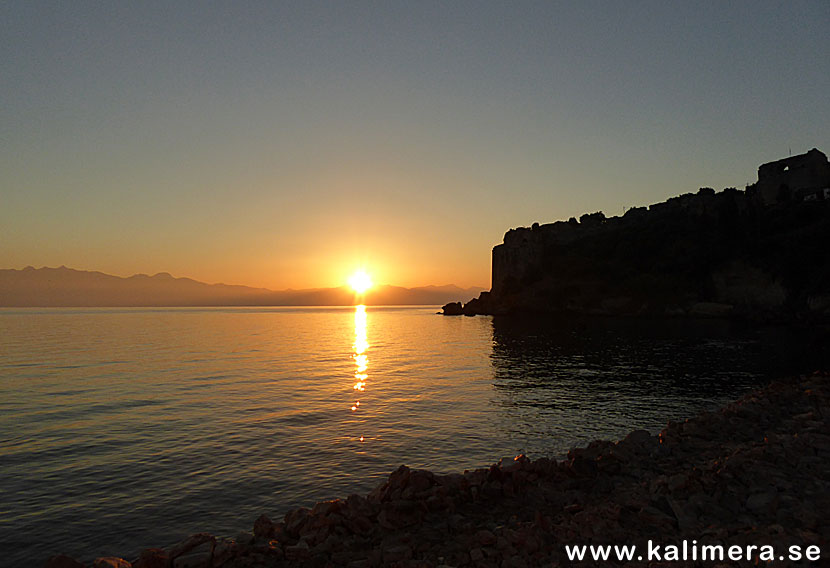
[360, 281]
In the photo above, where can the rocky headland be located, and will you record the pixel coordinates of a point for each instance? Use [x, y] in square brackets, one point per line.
[754, 473]
[761, 253]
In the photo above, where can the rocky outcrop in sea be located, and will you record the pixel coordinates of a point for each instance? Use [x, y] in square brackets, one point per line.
[754, 473]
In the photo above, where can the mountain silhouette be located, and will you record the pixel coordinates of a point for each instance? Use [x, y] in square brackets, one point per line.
[66, 287]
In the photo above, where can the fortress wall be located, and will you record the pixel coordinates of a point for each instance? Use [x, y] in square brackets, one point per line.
[784, 179]
[525, 247]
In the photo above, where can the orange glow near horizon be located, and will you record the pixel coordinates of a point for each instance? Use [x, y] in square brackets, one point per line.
[360, 281]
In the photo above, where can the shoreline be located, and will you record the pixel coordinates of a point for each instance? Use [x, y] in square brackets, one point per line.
[751, 473]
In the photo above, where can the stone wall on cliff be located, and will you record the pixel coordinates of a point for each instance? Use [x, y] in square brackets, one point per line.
[794, 177]
[523, 248]
[707, 253]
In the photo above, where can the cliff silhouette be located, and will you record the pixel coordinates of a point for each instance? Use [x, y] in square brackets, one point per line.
[761, 253]
[66, 287]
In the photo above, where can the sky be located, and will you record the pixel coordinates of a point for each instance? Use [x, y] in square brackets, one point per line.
[284, 144]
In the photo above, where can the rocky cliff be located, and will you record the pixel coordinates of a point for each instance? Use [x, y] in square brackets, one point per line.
[728, 253]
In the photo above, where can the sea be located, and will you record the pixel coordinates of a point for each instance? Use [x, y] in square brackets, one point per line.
[128, 428]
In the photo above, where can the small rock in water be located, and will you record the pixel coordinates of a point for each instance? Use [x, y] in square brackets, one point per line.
[453, 309]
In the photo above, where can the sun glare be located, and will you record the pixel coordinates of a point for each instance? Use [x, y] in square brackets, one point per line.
[360, 281]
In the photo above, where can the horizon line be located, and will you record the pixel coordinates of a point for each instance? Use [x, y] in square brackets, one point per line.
[164, 272]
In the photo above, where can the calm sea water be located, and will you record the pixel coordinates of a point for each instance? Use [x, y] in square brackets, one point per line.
[127, 428]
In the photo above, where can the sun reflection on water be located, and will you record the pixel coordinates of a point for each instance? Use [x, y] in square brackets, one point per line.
[361, 345]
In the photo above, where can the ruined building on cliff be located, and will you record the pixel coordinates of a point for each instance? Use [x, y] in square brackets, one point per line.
[802, 177]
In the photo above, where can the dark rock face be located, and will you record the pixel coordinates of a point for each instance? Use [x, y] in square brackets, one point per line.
[754, 472]
[732, 253]
[63, 561]
[453, 309]
[152, 558]
[110, 562]
[476, 306]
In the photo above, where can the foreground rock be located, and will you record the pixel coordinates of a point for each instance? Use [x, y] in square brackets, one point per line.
[756, 472]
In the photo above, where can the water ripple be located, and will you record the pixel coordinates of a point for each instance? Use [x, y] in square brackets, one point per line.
[127, 428]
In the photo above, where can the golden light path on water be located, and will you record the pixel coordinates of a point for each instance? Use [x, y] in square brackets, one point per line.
[361, 359]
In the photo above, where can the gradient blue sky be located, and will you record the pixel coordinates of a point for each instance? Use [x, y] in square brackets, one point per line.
[282, 144]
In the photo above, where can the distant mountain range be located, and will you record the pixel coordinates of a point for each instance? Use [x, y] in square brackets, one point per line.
[66, 287]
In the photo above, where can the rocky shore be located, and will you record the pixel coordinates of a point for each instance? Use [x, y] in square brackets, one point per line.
[756, 472]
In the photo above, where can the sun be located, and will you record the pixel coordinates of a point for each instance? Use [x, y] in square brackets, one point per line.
[360, 281]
